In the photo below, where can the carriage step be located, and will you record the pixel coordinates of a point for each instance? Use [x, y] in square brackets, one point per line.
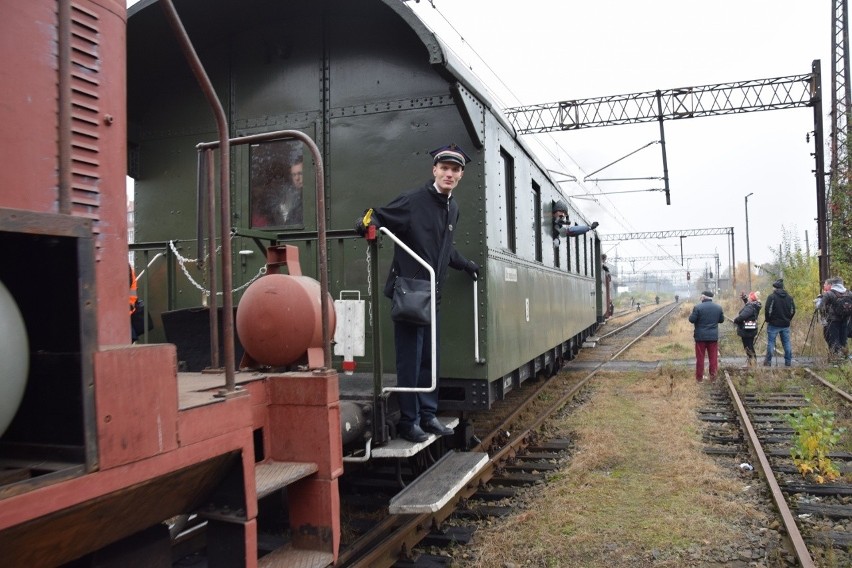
[289, 557]
[440, 483]
[400, 448]
[272, 476]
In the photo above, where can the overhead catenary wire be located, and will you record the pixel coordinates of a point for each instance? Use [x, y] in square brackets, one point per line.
[611, 208]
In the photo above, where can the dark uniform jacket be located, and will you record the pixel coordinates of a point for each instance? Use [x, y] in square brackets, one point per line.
[749, 313]
[706, 316]
[780, 308]
[425, 220]
[829, 303]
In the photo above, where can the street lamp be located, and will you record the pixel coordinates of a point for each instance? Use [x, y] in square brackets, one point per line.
[748, 249]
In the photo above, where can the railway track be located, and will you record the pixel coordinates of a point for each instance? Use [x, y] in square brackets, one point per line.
[517, 457]
[749, 425]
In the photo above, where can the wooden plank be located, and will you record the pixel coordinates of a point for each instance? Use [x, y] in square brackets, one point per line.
[441, 482]
[271, 476]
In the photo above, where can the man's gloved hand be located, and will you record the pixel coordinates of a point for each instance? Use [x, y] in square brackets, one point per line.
[363, 222]
[360, 229]
[472, 269]
[594, 225]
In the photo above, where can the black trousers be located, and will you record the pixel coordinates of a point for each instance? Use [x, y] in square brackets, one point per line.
[836, 333]
[748, 344]
[414, 369]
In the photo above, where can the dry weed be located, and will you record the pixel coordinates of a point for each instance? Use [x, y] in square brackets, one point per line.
[637, 483]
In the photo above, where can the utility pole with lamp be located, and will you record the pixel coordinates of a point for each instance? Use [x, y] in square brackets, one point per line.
[748, 249]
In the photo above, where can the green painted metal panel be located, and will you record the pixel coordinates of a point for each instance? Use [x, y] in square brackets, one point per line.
[357, 79]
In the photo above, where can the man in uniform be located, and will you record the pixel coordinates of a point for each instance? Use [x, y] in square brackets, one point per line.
[425, 219]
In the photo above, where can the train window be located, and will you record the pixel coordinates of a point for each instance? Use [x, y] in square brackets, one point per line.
[592, 257]
[276, 184]
[537, 213]
[585, 255]
[568, 253]
[509, 237]
[577, 255]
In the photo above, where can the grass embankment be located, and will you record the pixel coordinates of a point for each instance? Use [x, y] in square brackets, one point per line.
[638, 489]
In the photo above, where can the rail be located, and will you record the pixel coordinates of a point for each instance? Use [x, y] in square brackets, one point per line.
[799, 546]
[637, 319]
[841, 393]
[397, 534]
[432, 317]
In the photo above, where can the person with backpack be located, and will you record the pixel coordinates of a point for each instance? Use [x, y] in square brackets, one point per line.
[780, 309]
[837, 306]
[746, 322]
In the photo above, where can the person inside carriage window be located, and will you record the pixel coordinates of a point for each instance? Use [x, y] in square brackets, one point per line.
[562, 226]
[425, 219]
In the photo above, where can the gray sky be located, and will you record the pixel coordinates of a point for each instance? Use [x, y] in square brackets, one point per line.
[543, 51]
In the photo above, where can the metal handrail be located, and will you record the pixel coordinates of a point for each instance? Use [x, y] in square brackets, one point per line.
[322, 247]
[432, 328]
[476, 358]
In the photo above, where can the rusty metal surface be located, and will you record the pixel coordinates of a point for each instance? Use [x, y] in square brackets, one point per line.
[841, 393]
[61, 536]
[224, 183]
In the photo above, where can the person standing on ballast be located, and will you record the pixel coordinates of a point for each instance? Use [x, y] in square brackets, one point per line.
[746, 322]
[779, 312]
[706, 317]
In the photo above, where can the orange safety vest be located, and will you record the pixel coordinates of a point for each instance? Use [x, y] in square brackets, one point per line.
[134, 296]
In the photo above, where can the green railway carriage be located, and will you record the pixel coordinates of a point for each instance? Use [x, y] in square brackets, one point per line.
[376, 90]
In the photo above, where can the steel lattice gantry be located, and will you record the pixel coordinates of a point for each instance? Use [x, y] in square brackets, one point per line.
[668, 234]
[776, 93]
[671, 104]
[618, 259]
[841, 104]
[683, 233]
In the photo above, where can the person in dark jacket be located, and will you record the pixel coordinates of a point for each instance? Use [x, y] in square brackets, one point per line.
[706, 317]
[780, 309]
[836, 323]
[425, 219]
[746, 322]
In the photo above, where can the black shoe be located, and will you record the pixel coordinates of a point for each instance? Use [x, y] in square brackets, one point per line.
[767, 364]
[413, 433]
[434, 426]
